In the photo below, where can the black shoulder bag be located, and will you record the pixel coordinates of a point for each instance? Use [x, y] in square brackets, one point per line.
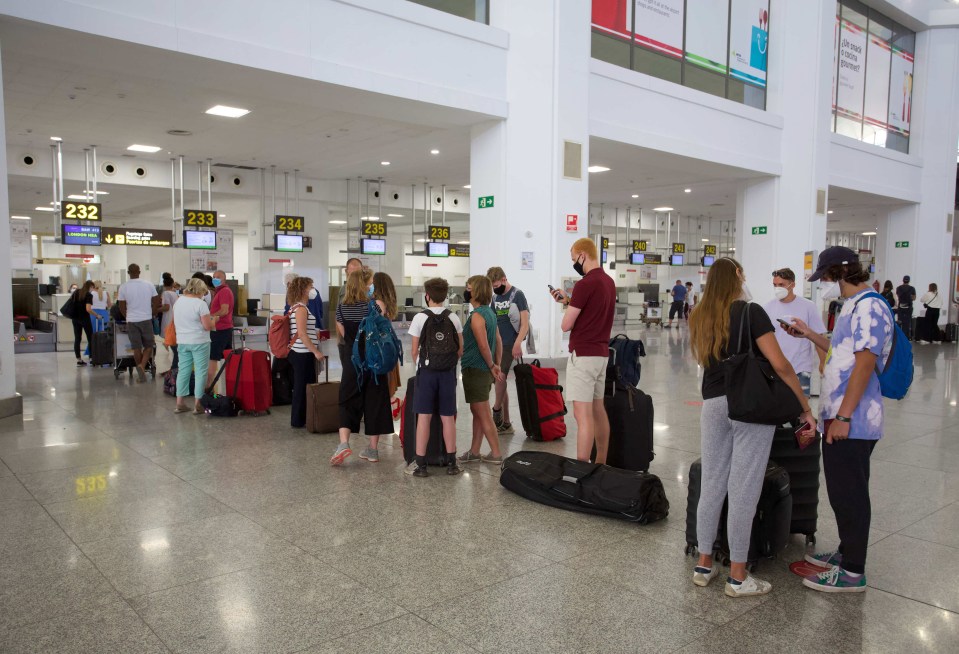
[223, 406]
[754, 392]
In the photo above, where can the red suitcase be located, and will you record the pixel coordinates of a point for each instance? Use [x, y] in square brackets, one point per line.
[541, 405]
[255, 391]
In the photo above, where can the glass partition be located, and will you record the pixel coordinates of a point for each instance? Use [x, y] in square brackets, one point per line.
[715, 46]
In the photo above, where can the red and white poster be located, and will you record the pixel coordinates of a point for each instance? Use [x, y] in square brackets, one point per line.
[659, 26]
[613, 17]
[572, 222]
[900, 92]
[852, 70]
[877, 82]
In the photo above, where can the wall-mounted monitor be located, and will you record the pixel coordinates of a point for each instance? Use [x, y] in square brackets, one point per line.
[708, 260]
[438, 249]
[373, 246]
[288, 242]
[677, 259]
[605, 256]
[637, 258]
[194, 240]
[80, 234]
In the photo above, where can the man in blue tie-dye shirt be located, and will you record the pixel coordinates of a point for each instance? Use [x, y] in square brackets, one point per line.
[850, 411]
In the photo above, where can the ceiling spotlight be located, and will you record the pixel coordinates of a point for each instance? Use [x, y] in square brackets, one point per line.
[434, 151]
[687, 190]
[662, 208]
[384, 163]
[635, 195]
[467, 186]
[228, 112]
[143, 148]
[597, 169]
[337, 222]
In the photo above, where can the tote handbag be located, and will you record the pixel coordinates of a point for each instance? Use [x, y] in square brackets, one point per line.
[222, 406]
[754, 392]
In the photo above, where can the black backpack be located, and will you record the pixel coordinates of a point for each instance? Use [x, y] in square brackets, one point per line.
[439, 342]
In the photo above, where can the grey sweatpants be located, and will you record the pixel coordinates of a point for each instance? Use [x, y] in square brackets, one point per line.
[734, 456]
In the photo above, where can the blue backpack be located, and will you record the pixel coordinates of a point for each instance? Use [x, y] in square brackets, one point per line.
[382, 348]
[895, 378]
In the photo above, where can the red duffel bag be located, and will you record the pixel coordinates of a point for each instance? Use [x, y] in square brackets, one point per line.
[541, 404]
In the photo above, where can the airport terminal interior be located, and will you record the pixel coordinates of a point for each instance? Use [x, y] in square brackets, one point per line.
[440, 138]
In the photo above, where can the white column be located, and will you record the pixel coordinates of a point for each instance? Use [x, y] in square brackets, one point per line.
[519, 161]
[10, 401]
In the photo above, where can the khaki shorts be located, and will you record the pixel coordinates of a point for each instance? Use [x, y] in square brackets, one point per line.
[476, 385]
[585, 378]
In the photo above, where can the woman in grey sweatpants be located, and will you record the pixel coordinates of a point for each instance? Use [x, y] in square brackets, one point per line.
[734, 454]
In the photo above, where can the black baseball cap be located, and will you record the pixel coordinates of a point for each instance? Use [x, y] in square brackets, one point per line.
[837, 255]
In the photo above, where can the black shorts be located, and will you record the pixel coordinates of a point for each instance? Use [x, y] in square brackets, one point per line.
[676, 308]
[220, 340]
[435, 392]
[369, 403]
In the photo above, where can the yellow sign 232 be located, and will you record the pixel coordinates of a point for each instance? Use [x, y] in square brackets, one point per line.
[81, 210]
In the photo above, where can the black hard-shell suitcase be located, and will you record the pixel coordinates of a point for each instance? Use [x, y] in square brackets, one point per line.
[770, 530]
[585, 487]
[101, 348]
[803, 467]
[630, 414]
[436, 447]
[282, 373]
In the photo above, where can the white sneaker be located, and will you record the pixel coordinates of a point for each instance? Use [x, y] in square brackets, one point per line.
[749, 588]
[702, 578]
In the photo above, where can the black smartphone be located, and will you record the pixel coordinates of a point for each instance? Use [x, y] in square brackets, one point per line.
[785, 324]
[551, 289]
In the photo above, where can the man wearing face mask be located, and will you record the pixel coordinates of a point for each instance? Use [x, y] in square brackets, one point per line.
[221, 313]
[512, 318]
[589, 320]
[787, 306]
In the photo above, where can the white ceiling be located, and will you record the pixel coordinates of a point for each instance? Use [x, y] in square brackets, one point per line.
[857, 212]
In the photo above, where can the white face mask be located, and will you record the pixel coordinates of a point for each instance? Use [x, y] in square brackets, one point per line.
[313, 293]
[829, 290]
[781, 292]
[746, 296]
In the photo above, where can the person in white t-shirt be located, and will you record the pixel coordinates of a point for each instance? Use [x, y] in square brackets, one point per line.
[139, 302]
[786, 307]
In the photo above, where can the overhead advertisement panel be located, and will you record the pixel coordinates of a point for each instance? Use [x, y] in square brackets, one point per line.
[707, 29]
[852, 71]
[900, 92]
[879, 56]
[614, 17]
[749, 40]
[659, 25]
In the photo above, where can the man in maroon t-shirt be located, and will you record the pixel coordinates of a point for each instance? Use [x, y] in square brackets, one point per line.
[589, 319]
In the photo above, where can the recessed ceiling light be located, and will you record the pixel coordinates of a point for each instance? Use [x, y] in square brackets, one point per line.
[597, 169]
[869, 233]
[635, 195]
[384, 163]
[55, 138]
[611, 244]
[143, 148]
[394, 215]
[44, 209]
[337, 222]
[468, 186]
[434, 151]
[687, 190]
[705, 240]
[228, 112]
[370, 218]
[829, 212]
[662, 209]
[77, 197]
[462, 242]
[20, 217]
[421, 240]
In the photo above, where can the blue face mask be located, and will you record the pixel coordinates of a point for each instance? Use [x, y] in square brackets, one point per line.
[216, 282]
[369, 293]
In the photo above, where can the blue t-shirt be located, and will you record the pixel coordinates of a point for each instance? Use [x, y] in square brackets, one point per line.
[867, 325]
[679, 293]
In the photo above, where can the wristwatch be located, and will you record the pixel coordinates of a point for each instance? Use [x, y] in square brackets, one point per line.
[843, 419]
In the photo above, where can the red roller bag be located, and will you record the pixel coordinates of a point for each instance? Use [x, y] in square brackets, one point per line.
[541, 404]
[255, 392]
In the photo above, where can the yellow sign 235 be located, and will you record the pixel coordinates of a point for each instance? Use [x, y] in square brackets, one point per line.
[374, 228]
[194, 218]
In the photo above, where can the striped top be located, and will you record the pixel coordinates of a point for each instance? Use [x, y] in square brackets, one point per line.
[297, 345]
[350, 315]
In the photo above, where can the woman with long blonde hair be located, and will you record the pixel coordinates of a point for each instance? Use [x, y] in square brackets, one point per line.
[384, 292]
[734, 453]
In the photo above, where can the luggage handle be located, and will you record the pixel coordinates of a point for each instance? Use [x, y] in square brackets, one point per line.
[322, 368]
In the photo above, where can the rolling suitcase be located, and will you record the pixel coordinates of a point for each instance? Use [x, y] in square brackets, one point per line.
[585, 487]
[323, 405]
[630, 414]
[282, 373]
[254, 393]
[436, 447]
[541, 404]
[101, 349]
[770, 529]
[803, 467]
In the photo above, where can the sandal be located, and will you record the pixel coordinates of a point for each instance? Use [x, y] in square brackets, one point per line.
[180, 409]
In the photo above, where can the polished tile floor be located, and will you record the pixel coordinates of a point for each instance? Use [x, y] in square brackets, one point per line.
[126, 528]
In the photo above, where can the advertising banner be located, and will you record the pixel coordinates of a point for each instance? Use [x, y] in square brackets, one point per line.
[852, 70]
[659, 26]
[219, 259]
[900, 92]
[21, 245]
[749, 40]
[879, 57]
[613, 17]
[707, 23]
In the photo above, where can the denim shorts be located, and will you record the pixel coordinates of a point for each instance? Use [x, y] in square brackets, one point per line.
[435, 392]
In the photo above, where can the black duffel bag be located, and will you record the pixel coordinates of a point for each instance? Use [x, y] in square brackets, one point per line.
[586, 487]
[222, 406]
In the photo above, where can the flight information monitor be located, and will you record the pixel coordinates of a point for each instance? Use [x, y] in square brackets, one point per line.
[194, 240]
[288, 242]
[373, 246]
[438, 249]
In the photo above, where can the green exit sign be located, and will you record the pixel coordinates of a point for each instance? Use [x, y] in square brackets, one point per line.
[902, 244]
[486, 202]
[759, 230]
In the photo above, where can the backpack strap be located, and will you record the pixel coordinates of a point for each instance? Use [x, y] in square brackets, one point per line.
[892, 318]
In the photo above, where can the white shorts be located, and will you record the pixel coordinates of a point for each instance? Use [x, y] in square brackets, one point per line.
[585, 378]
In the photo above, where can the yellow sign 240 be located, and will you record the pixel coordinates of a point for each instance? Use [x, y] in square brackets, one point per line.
[81, 210]
[289, 223]
[374, 228]
[199, 218]
[439, 233]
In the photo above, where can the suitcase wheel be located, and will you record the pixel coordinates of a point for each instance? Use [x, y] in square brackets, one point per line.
[810, 539]
[690, 549]
[116, 373]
